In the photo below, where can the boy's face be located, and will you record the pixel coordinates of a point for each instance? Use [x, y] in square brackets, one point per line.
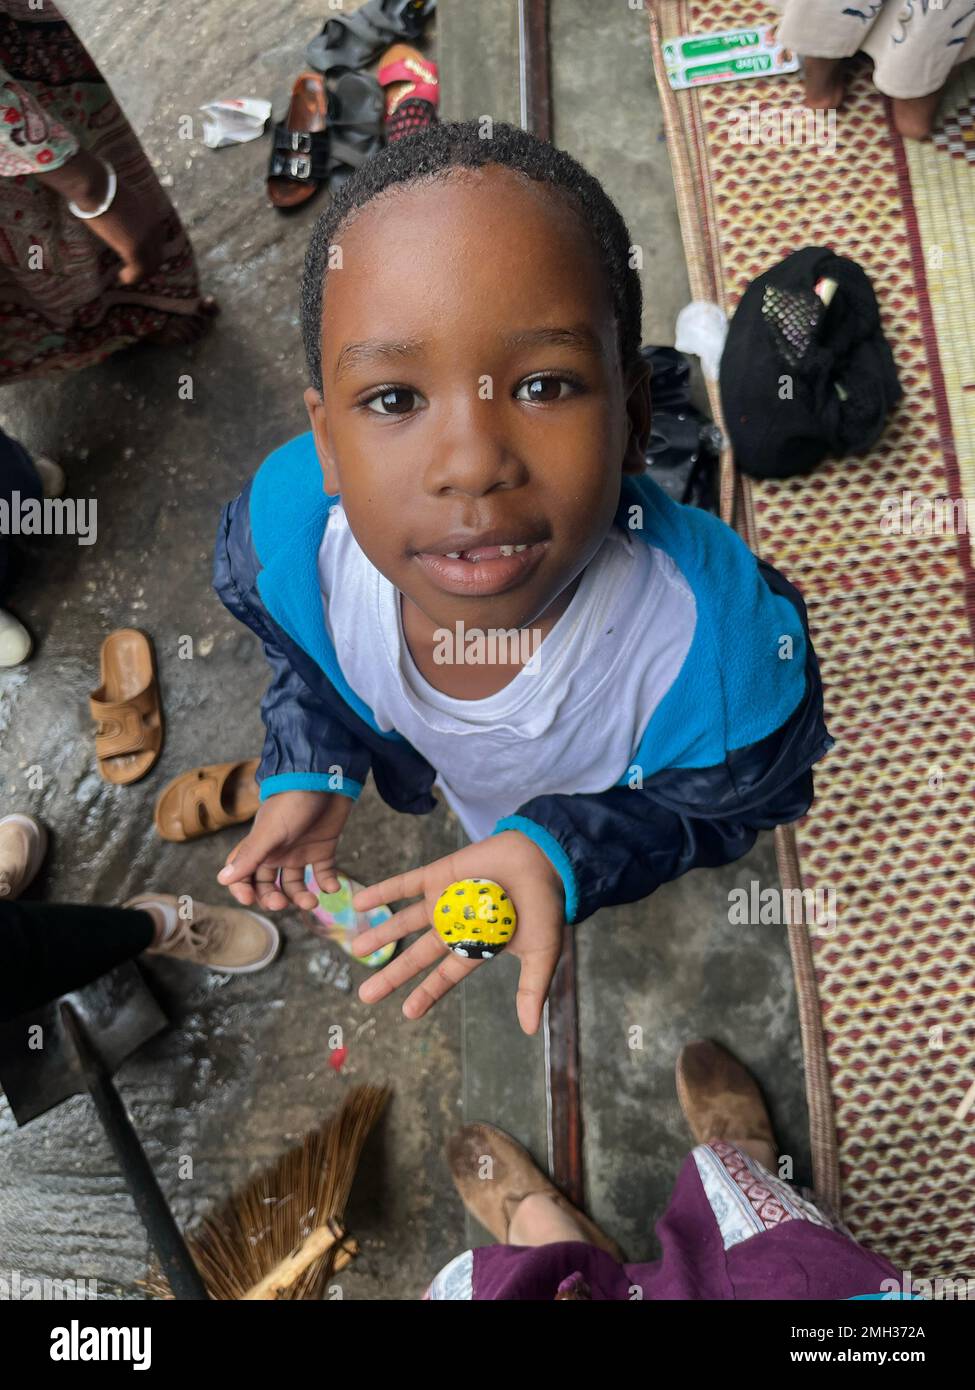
[472, 396]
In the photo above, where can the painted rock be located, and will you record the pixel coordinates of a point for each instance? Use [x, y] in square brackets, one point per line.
[475, 918]
[336, 919]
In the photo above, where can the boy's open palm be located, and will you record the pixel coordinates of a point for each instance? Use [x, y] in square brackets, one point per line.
[290, 830]
[534, 887]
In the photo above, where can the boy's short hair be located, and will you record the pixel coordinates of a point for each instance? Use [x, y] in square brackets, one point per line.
[434, 153]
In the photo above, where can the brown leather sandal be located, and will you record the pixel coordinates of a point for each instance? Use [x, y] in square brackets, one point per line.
[300, 144]
[126, 708]
[513, 1176]
[207, 799]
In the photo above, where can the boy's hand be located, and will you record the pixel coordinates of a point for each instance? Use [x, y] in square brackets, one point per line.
[290, 830]
[532, 884]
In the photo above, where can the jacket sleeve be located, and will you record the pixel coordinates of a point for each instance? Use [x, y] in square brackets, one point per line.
[307, 747]
[619, 845]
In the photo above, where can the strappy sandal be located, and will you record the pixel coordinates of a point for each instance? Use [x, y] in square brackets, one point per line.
[355, 123]
[126, 708]
[514, 1176]
[412, 86]
[207, 799]
[353, 41]
[300, 143]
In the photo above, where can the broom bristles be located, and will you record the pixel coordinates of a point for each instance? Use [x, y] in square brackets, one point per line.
[241, 1243]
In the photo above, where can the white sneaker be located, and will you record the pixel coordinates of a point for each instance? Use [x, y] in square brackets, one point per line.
[15, 641]
[23, 844]
[51, 476]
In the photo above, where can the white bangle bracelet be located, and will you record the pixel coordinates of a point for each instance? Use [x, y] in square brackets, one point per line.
[107, 201]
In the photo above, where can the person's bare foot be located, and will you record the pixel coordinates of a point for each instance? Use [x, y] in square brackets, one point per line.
[182, 329]
[759, 1149]
[502, 1186]
[824, 83]
[914, 116]
[538, 1220]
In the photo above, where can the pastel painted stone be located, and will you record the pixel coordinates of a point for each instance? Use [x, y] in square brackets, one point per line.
[335, 919]
[475, 918]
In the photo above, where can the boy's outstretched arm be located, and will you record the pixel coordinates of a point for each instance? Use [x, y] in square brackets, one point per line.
[562, 857]
[312, 768]
[534, 887]
[565, 856]
[560, 860]
[620, 845]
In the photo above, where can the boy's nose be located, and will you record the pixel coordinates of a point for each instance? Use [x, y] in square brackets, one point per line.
[472, 455]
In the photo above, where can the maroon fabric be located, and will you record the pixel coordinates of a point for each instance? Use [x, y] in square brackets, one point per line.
[794, 1260]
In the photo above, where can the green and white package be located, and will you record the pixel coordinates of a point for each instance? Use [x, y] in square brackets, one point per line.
[695, 60]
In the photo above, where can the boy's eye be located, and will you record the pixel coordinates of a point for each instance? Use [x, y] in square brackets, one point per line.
[543, 389]
[397, 400]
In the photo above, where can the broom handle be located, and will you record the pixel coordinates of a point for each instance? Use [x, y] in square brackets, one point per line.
[289, 1270]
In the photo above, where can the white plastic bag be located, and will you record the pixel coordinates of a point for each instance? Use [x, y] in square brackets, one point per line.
[702, 328]
[234, 120]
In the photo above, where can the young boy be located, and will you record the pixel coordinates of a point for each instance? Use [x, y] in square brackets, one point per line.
[479, 413]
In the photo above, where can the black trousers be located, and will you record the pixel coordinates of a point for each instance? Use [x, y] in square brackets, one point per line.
[49, 949]
[17, 474]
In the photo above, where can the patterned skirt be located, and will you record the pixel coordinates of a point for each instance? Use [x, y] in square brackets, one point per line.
[732, 1230]
[913, 46]
[60, 308]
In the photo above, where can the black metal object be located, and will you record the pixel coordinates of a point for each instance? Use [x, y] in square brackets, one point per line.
[50, 1054]
[175, 1259]
[534, 71]
[38, 1065]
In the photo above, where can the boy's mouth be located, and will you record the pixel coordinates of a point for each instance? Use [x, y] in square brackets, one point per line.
[484, 565]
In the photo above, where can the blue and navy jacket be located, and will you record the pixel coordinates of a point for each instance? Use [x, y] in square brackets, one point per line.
[727, 752]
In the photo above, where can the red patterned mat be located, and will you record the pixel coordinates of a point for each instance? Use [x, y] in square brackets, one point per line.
[887, 997]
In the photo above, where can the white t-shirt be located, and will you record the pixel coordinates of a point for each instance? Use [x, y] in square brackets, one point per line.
[570, 722]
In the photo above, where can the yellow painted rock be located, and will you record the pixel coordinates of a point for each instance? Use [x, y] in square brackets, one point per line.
[475, 918]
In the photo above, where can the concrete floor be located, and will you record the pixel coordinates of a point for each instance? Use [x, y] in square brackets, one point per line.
[244, 1069]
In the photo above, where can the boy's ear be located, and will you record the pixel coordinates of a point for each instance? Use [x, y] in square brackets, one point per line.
[319, 428]
[639, 412]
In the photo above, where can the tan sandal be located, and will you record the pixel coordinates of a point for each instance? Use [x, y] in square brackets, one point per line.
[207, 799]
[126, 708]
[514, 1175]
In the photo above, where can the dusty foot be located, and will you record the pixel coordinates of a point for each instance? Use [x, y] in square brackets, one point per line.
[758, 1149]
[187, 328]
[537, 1220]
[825, 85]
[914, 116]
